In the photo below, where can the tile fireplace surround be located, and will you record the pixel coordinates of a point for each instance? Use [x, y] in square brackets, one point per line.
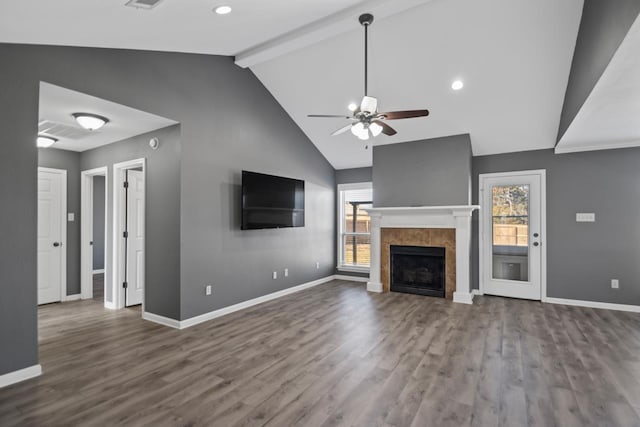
[423, 217]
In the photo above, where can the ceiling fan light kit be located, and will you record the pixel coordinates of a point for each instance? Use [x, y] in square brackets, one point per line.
[366, 121]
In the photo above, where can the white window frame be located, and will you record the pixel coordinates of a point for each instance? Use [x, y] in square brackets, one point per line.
[341, 224]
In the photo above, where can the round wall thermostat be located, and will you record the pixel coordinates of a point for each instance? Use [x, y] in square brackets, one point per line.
[154, 143]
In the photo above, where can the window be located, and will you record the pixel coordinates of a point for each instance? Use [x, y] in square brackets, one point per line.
[354, 229]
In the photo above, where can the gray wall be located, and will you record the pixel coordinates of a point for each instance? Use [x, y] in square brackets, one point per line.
[18, 220]
[98, 222]
[350, 176]
[434, 172]
[69, 161]
[162, 212]
[229, 122]
[604, 25]
[583, 257]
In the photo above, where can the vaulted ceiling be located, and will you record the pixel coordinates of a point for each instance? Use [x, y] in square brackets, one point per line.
[514, 57]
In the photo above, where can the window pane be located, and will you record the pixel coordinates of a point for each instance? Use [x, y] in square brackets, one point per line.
[355, 226]
[362, 222]
[510, 209]
[357, 250]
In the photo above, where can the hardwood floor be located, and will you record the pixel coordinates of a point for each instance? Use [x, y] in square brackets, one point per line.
[98, 287]
[336, 355]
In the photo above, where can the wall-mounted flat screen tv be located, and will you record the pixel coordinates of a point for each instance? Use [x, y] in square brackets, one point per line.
[271, 201]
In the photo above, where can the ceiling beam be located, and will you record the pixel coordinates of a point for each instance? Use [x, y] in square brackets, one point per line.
[322, 29]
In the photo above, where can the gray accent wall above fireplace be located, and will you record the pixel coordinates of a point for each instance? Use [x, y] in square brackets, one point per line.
[434, 172]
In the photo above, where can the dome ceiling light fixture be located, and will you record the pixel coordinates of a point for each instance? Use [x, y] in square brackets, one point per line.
[366, 121]
[223, 10]
[90, 121]
[44, 141]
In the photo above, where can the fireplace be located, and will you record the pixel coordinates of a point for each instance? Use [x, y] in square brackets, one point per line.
[441, 226]
[418, 270]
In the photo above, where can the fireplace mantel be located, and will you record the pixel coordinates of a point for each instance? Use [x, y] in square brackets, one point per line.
[457, 217]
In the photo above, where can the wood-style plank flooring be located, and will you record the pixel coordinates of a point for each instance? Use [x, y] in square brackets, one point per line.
[336, 355]
[98, 286]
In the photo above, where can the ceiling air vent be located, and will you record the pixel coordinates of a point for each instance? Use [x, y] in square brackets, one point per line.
[60, 130]
[143, 4]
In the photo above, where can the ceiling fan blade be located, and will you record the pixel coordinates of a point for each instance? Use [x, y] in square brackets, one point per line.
[342, 130]
[409, 114]
[338, 116]
[386, 129]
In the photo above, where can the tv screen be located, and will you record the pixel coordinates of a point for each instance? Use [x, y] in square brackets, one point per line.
[271, 201]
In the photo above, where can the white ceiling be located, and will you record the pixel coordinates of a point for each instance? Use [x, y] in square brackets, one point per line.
[173, 25]
[514, 58]
[57, 104]
[610, 117]
[513, 55]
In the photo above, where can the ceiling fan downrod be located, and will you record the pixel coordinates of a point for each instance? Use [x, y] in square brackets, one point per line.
[366, 19]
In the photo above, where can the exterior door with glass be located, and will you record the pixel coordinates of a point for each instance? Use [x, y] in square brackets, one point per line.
[511, 239]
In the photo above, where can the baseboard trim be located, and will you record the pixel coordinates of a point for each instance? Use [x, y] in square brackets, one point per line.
[101, 271]
[74, 297]
[20, 375]
[374, 287]
[183, 324]
[166, 321]
[594, 304]
[463, 297]
[246, 304]
[351, 278]
[476, 292]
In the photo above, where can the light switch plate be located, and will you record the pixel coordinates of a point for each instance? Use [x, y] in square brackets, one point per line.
[71, 217]
[585, 217]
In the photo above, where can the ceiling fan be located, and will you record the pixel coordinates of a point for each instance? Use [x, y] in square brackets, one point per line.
[366, 120]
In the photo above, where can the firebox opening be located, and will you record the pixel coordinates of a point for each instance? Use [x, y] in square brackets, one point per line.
[418, 270]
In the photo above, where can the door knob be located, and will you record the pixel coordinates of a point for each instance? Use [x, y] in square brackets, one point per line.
[535, 234]
[536, 244]
[56, 244]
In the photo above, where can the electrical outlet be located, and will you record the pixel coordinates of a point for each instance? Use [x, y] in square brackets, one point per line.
[275, 275]
[317, 265]
[615, 283]
[286, 272]
[585, 217]
[207, 290]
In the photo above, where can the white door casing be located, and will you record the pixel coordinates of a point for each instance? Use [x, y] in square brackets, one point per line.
[512, 257]
[135, 240]
[52, 230]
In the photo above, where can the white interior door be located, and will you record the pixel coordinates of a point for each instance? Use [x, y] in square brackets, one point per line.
[135, 239]
[512, 227]
[51, 230]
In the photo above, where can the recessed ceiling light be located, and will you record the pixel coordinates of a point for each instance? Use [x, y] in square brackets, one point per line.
[44, 141]
[223, 10]
[353, 106]
[457, 85]
[90, 121]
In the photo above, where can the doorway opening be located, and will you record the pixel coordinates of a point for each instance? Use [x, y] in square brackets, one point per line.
[94, 190]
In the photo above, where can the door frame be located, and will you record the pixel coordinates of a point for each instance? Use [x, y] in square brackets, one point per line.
[543, 225]
[86, 232]
[118, 229]
[63, 230]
